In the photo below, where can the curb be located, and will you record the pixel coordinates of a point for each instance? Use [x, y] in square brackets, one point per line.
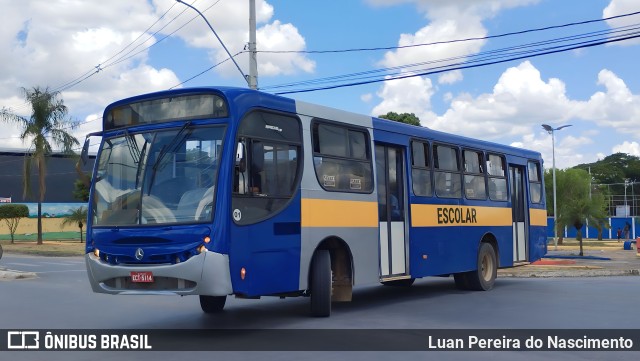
[571, 273]
[6, 274]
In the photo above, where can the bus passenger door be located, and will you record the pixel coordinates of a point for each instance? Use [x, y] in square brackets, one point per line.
[519, 218]
[391, 211]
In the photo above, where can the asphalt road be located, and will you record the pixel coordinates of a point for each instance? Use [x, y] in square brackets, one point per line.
[61, 298]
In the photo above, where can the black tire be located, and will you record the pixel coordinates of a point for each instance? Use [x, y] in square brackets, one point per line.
[407, 282]
[212, 304]
[484, 277]
[1, 251]
[321, 284]
[462, 280]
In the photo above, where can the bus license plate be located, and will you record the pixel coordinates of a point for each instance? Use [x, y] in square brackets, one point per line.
[142, 277]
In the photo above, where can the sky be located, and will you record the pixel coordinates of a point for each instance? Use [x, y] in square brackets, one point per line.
[97, 52]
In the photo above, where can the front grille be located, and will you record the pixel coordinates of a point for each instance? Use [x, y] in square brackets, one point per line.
[171, 258]
[158, 284]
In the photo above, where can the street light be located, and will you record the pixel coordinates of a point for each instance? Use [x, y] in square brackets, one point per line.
[551, 131]
[251, 80]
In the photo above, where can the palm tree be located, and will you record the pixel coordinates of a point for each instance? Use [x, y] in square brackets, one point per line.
[77, 216]
[47, 125]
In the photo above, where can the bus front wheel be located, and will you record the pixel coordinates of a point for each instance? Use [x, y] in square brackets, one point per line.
[321, 284]
[212, 304]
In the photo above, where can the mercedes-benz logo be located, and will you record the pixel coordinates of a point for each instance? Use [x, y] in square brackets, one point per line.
[139, 254]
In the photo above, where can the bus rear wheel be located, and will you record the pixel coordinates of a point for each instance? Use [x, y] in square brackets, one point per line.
[321, 284]
[212, 304]
[484, 277]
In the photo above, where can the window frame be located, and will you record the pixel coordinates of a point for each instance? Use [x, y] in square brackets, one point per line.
[504, 176]
[437, 170]
[483, 172]
[251, 139]
[538, 182]
[367, 161]
[428, 167]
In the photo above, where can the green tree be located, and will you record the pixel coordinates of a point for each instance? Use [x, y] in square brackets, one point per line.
[11, 214]
[81, 190]
[576, 205]
[614, 169]
[408, 118]
[46, 126]
[78, 216]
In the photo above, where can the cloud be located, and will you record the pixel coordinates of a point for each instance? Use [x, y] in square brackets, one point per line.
[620, 7]
[101, 48]
[409, 95]
[520, 102]
[632, 148]
[520, 99]
[616, 107]
[48, 43]
[450, 77]
[366, 97]
[567, 148]
[278, 36]
[230, 20]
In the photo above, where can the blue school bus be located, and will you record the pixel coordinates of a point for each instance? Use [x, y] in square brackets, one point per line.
[219, 191]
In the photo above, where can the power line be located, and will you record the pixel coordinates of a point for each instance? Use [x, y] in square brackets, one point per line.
[452, 41]
[488, 55]
[463, 65]
[105, 64]
[96, 69]
[206, 70]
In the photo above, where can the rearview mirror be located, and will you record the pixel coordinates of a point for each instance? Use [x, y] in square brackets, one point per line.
[84, 156]
[240, 157]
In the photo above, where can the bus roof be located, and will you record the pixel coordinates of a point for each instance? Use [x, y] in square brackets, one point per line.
[242, 98]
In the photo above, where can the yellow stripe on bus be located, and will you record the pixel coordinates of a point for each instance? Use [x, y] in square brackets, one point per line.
[440, 215]
[333, 213]
[538, 217]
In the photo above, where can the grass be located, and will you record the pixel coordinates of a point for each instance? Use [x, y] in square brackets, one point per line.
[57, 248]
[46, 236]
[569, 243]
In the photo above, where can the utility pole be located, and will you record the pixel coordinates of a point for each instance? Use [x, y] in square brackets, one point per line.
[245, 77]
[253, 53]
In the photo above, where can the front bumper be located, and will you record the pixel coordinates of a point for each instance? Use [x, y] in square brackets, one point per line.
[204, 274]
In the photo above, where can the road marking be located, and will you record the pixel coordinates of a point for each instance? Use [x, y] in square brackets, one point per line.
[62, 263]
[23, 264]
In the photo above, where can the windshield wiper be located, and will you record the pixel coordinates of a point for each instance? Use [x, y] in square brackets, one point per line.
[175, 141]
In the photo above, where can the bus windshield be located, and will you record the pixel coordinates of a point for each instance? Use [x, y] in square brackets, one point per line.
[157, 177]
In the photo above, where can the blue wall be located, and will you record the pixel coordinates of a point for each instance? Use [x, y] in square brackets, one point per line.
[614, 223]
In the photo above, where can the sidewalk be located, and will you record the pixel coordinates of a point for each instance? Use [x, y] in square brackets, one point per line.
[597, 262]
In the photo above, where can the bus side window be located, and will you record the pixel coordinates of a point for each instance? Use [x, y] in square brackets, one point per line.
[474, 183]
[266, 169]
[342, 158]
[535, 182]
[420, 169]
[447, 175]
[497, 178]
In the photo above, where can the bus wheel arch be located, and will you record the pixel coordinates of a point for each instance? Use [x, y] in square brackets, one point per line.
[341, 267]
[493, 241]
